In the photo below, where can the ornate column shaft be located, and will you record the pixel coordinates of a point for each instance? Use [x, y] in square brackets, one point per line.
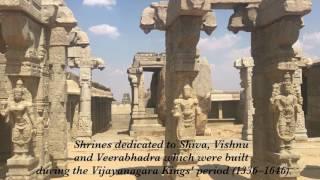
[275, 94]
[183, 20]
[141, 91]
[60, 28]
[301, 131]
[134, 76]
[247, 110]
[80, 57]
[58, 97]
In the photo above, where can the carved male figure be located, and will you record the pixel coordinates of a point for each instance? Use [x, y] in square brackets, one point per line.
[186, 111]
[18, 114]
[286, 107]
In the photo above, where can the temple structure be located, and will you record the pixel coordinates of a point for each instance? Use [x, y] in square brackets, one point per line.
[274, 27]
[43, 106]
[147, 118]
[100, 105]
[149, 108]
[33, 86]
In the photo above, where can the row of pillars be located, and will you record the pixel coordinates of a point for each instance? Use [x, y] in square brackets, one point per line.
[245, 65]
[274, 27]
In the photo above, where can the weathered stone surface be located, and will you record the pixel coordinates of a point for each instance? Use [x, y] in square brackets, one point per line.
[202, 85]
[35, 50]
[247, 110]
[311, 98]
[272, 10]
[152, 120]
[80, 56]
[275, 28]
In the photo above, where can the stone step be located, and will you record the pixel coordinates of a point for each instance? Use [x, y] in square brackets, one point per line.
[150, 110]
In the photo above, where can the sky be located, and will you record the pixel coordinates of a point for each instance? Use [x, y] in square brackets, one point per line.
[115, 36]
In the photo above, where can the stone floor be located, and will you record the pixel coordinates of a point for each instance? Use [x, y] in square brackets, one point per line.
[310, 152]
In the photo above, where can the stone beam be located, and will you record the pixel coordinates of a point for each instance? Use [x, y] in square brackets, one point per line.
[231, 4]
[31, 8]
[149, 61]
[156, 16]
[272, 10]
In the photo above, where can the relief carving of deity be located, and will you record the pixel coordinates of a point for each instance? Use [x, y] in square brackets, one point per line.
[186, 111]
[285, 105]
[18, 113]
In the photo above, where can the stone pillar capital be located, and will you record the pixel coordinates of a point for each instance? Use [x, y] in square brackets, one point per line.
[245, 62]
[244, 18]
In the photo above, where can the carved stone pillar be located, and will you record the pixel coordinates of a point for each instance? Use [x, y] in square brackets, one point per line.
[183, 20]
[58, 128]
[134, 76]
[85, 121]
[25, 46]
[301, 131]
[58, 97]
[80, 57]
[247, 110]
[276, 100]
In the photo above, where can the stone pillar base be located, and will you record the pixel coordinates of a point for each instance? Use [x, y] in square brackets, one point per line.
[246, 136]
[285, 161]
[45, 176]
[3, 170]
[301, 136]
[22, 169]
[146, 125]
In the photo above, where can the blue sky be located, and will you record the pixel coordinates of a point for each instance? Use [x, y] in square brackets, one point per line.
[113, 29]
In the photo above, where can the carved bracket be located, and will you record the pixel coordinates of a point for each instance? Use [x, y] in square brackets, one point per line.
[155, 16]
[243, 18]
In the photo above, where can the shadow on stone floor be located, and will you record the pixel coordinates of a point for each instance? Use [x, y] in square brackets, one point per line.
[312, 172]
[124, 132]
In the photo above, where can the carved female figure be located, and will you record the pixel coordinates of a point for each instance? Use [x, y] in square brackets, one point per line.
[18, 114]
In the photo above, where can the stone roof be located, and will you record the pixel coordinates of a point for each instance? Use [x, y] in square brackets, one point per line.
[98, 90]
[217, 95]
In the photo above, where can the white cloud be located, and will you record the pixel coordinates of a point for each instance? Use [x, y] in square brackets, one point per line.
[105, 30]
[221, 52]
[114, 77]
[308, 45]
[224, 42]
[103, 3]
[315, 36]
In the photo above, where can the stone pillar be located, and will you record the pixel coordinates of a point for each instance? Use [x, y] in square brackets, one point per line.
[142, 93]
[183, 21]
[80, 57]
[85, 122]
[274, 91]
[220, 111]
[58, 127]
[247, 110]
[301, 131]
[58, 42]
[134, 78]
